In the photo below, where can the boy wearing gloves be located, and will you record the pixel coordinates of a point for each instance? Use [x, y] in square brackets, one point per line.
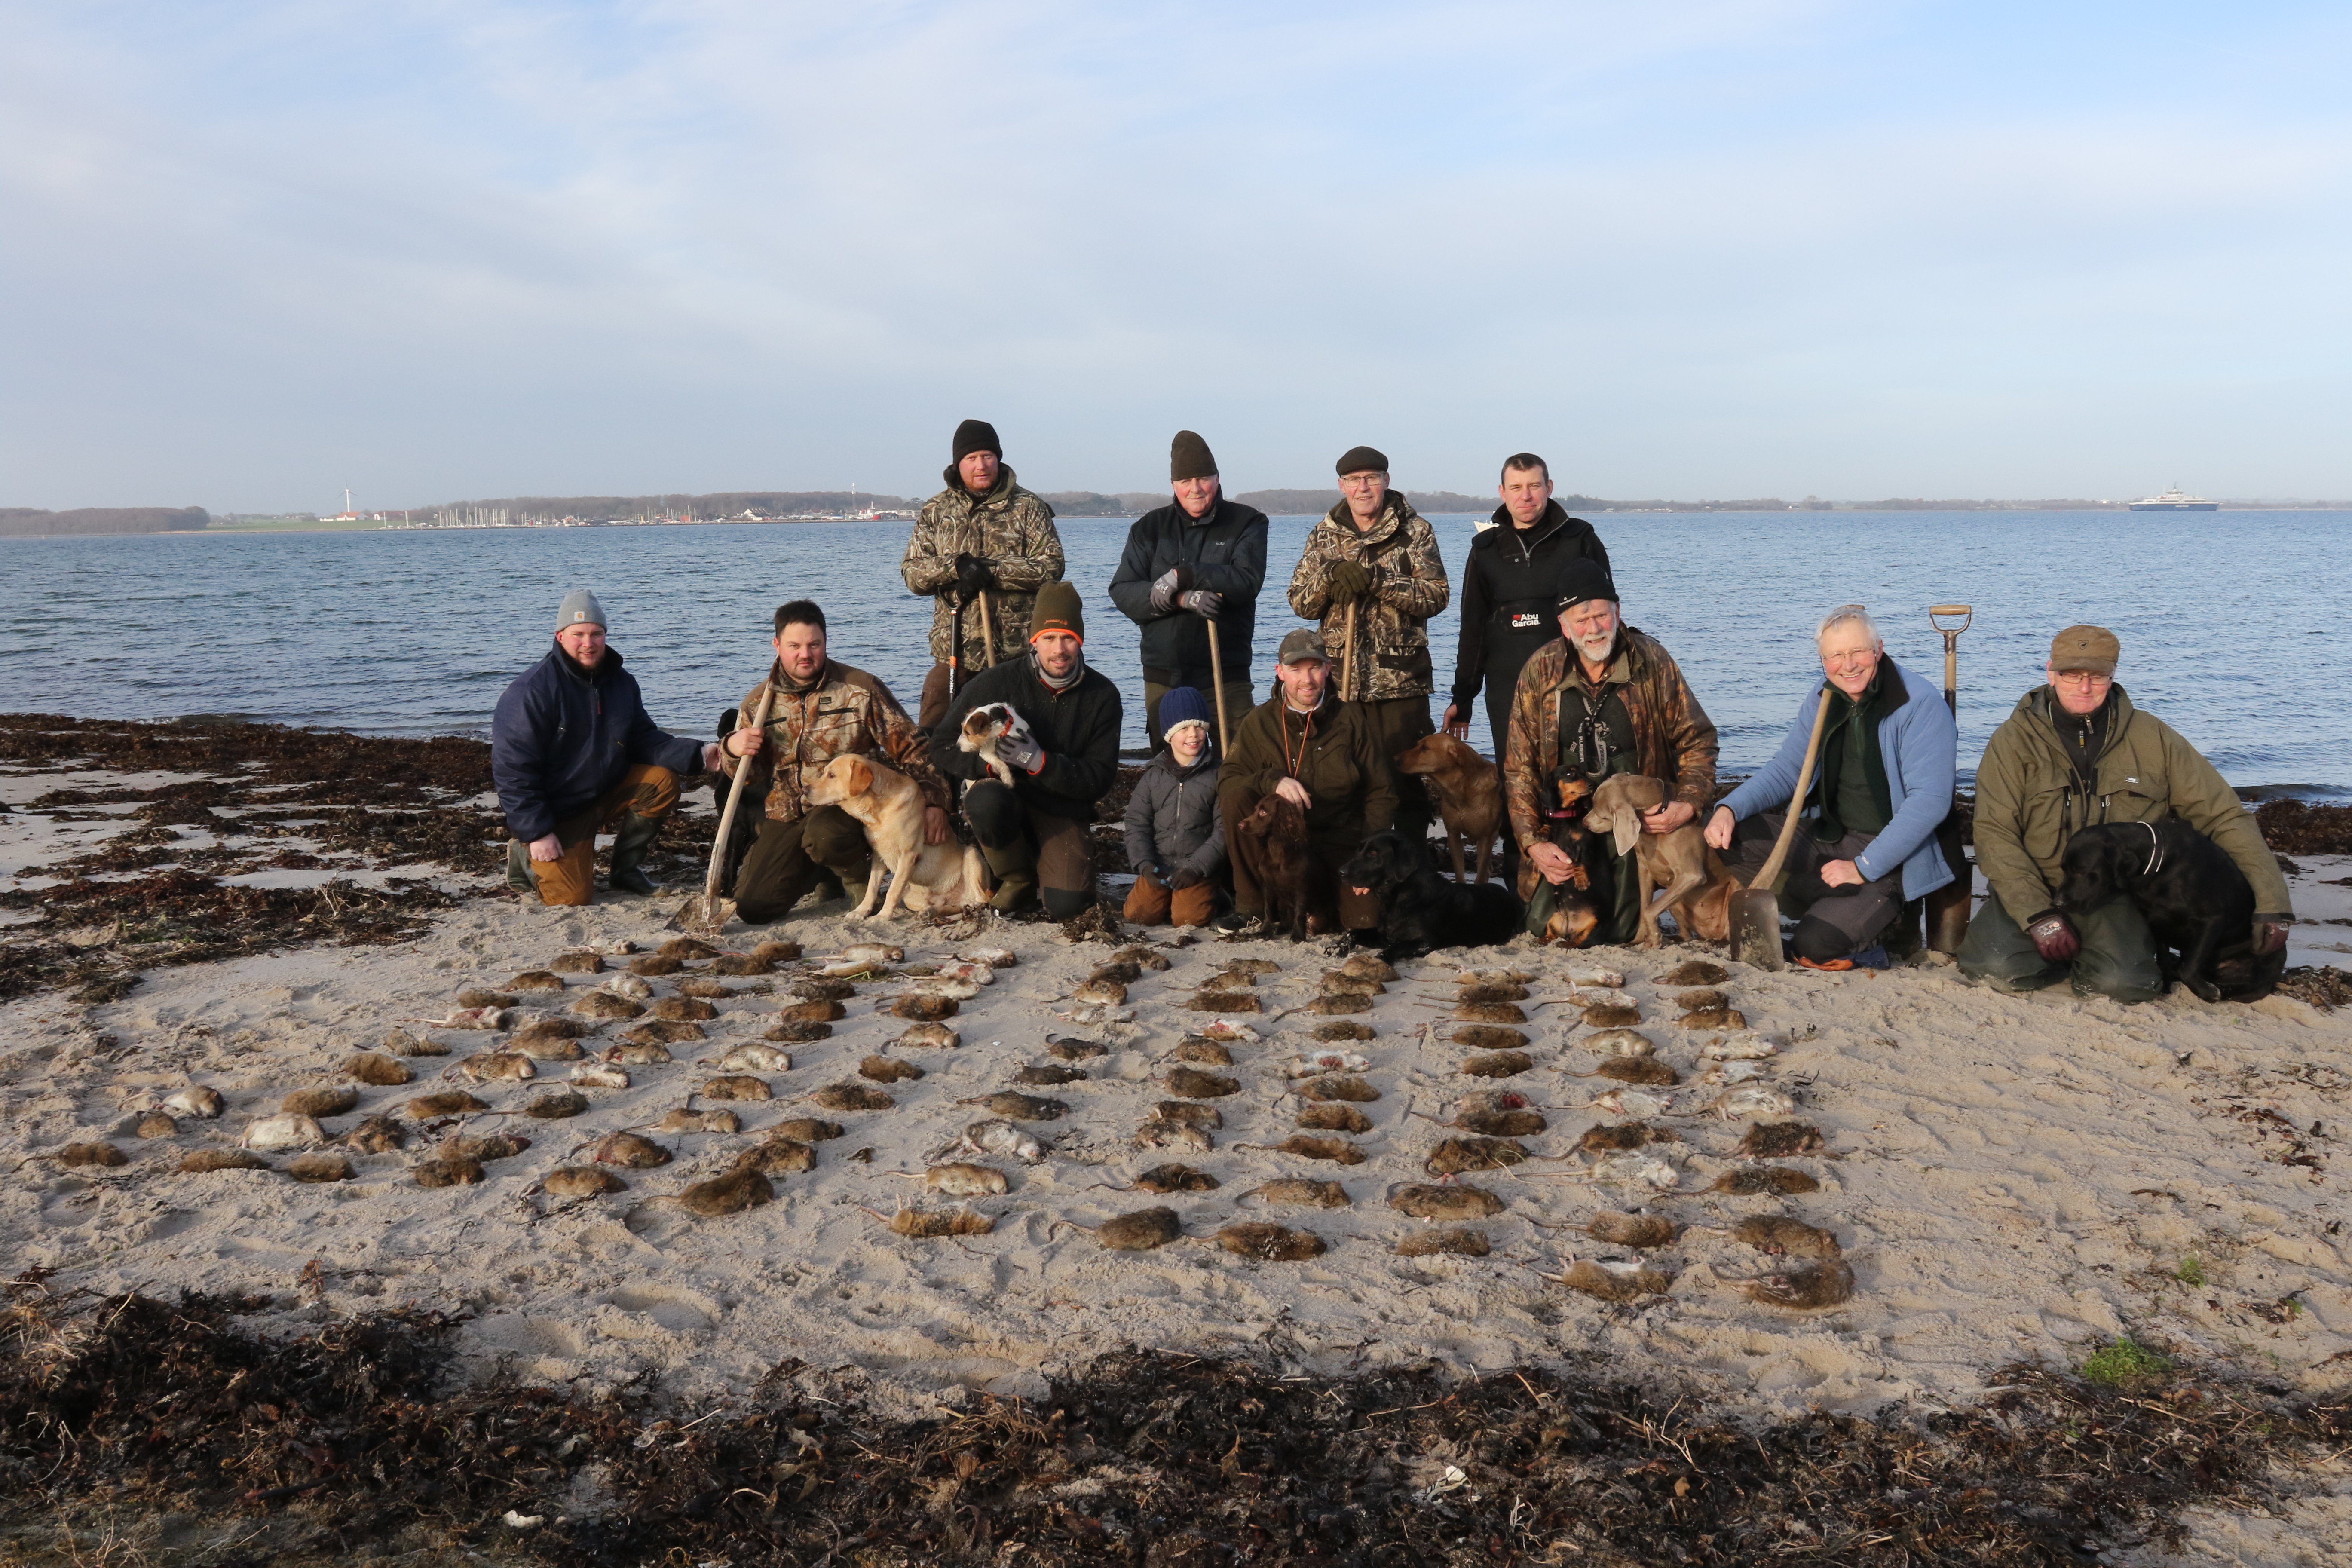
[1174, 840]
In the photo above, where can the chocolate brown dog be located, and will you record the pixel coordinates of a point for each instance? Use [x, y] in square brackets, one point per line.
[1689, 877]
[1272, 841]
[1469, 794]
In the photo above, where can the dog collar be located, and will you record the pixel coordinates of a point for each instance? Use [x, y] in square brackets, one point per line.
[2154, 851]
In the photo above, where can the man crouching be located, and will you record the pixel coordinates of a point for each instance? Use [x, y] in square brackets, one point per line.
[572, 750]
[818, 709]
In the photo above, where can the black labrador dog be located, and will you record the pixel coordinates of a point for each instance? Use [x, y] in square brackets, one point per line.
[2194, 898]
[1421, 910]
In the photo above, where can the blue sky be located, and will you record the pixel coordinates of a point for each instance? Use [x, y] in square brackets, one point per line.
[252, 253]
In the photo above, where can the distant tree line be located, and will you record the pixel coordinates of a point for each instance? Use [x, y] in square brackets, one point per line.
[26, 520]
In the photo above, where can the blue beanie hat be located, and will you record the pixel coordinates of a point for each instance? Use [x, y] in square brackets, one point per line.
[1184, 705]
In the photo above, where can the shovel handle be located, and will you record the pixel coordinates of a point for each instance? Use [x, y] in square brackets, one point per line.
[1951, 647]
[1217, 677]
[1772, 871]
[734, 799]
[987, 629]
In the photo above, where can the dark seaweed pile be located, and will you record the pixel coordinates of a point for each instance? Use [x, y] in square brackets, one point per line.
[2297, 827]
[355, 1440]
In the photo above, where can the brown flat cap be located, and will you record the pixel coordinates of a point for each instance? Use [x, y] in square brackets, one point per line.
[1300, 645]
[2094, 648]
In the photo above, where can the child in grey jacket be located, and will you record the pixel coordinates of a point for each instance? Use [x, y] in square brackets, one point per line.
[1174, 841]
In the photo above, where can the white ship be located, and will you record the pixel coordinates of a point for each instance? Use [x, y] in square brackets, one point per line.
[2175, 500]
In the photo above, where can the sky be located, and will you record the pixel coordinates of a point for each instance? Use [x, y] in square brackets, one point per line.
[252, 253]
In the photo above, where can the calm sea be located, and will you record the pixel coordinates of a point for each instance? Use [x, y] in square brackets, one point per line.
[2229, 621]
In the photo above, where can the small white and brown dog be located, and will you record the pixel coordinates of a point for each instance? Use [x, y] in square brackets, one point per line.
[886, 802]
[987, 727]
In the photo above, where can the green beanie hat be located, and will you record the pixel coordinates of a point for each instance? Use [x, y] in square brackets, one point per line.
[1189, 458]
[1059, 609]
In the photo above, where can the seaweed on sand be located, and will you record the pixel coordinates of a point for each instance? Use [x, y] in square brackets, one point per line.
[356, 1440]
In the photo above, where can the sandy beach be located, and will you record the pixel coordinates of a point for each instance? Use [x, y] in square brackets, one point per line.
[2010, 1178]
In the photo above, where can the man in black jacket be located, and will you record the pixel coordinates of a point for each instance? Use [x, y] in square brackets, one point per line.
[1035, 832]
[1507, 589]
[1191, 572]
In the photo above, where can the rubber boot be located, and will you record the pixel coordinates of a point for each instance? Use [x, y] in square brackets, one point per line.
[1015, 870]
[518, 875]
[632, 838]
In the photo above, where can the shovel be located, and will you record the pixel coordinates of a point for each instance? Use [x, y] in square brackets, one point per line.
[1755, 907]
[704, 914]
[1948, 906]
[1217, 677]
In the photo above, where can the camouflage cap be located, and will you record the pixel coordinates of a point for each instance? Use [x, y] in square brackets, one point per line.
[1300, 645]
[2094, 648]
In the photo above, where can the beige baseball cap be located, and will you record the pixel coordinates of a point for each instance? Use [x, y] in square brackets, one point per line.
[2094, 648]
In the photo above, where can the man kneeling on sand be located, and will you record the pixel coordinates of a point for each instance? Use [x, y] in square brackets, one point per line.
[818, 709]
[1882, 785]
[572, 750]
[2075, 754]
[1318, 753]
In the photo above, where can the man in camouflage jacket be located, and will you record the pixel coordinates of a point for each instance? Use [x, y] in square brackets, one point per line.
[983, 534]
[1375, 553]
[1630, 710]
[819, 710]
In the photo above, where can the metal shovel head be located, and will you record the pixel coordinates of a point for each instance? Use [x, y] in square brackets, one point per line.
[1755, 928]
[703, 914]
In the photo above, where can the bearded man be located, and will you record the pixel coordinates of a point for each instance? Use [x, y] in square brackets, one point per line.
[1602, 699]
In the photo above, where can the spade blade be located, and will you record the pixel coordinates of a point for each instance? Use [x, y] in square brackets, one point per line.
[1755, 928]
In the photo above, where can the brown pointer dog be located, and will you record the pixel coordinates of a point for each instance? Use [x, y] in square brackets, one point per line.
[886, 803]
[1690, 876]
[1573, 919]
[1469, 793]
[1273, 837]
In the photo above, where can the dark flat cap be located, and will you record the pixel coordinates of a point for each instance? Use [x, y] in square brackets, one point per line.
[1357, 459]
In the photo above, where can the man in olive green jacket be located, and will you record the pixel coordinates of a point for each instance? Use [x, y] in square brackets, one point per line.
[2075, 754]
[1309, 746]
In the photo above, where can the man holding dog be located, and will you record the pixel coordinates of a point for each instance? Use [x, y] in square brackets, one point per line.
[1601, 700]
[981, 547]
[1321, 753]
[572, 750]
[1034, 833]
[1882, 785]
[1371, 567]
[2076, 752]
[1191, 571]
[817, 709]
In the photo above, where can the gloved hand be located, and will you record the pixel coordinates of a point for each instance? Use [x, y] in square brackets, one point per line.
[972, 578]
[2270, 933]
[1168, 586]
[1147, 869]
[2053, 936]
[1349, 582]
[1205, 602]
[1185, 879]
[1022, 752]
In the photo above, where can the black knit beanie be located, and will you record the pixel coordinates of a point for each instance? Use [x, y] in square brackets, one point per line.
[1356, 460]
[1582, 579]
[976, 436]
[1189, 458]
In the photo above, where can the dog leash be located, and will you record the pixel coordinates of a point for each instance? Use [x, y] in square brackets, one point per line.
[2154, 851]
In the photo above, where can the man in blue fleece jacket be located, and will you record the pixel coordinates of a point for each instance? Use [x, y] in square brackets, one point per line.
[1882, 785]
[573, 749]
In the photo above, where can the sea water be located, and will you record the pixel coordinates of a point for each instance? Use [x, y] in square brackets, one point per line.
[2230, 622]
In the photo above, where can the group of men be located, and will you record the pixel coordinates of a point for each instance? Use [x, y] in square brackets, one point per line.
[1572, 692]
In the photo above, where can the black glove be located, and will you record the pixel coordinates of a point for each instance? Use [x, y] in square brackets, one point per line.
[1348, 581]
[2270, 933]
[1205, 602]
[1185, 879]
[2053, 936]
[972, 578]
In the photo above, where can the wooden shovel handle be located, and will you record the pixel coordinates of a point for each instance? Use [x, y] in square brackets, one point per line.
[734, 798]
[987, 629]
[1772, 871]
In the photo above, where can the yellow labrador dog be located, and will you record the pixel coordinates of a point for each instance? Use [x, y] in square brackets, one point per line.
[923, 875]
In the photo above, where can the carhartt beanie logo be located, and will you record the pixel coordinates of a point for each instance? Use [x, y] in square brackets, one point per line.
[1059, 609]
[1189, 458]
[976, 436]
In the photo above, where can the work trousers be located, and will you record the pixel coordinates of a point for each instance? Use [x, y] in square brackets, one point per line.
[1021, 844]
[788, 857]
[1239, 701]
[648, 790]
[1152, 902]
[2118, 957]
[1835, 920]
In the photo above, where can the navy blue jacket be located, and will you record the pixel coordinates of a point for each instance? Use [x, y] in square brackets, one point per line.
[561, 739]
[1226, 551]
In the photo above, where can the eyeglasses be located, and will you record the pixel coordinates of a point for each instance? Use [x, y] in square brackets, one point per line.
[2080, 678]
[1361, 481]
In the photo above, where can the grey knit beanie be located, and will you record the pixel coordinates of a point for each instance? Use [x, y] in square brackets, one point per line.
[580, 608]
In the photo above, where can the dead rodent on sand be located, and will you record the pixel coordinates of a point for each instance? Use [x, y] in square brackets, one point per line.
[1188, 1113]
[1713, 1018]
[1694, 971]
[1616, 1137]
[377, 1135]
[638, 1053]
[1341, 1029]
[1700, 1001]
[795, 1032]
[887, 1070]
[1371, 965]
[536, 980]
[682, 1009]
[401, 1043]
[806, 1130]
[1333, 1118]
[1334, 1005]
[709, 990]
[1156, 1134]
[320, 1166]
[1498, 1064]
[731, 1192]
[554, 1027]
[1808, 1285]
[1269, 1243]
[1615, 1279]
[1222, 1002]
[1489, 1013]
[630, 1150]
[1620, 1042]
[1202, 1052]
[685, 947]
[1621, 1229]
[736, 1086]
[959, 1179]
[491, 1147]
[654, 966]
[1335, 1086]
[752, 1057]
[156, 1124]
[1174, 1178]
[917, 1005]
[540, 1049]
[778, 1156]
[79, 1154]
[1339, 982]
[1521, 1124]
[1065, 1047]
[1780, 1233]
[1636, 1070]
[922, 1224]
[481, 996]
[375, 1067]
[1120, 971]
[817, 988]
[851, 1097]
[1138, 1232]
[577, 963]
[745, 963]
[556, 1104]
[1454, 1201]
[1339, 1150]
[1142, 957]
[440, 1172]
[498, 1067]
[334, 1101]
[582, 1182]
[1191, 1083]
[1454, 1155]
[1612, 1015]
[1491, 993]
[930, 1036]
[1462, 1241]
[684, 1120]
[198, 1099]
[605, 1005]
[1020, 1106]
[197, 1161]
[1749, 1181]
[1301, 1190]
[823, 1010]
[1488, 1037]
